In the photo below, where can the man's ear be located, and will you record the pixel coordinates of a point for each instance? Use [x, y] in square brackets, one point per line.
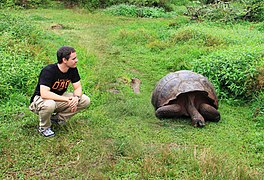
[64, 60]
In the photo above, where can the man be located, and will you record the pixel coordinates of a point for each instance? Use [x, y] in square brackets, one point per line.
[49, 100]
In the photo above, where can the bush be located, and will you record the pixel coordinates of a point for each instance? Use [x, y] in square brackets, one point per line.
[151, 12]
[24, 3]
[95, 4]
[258, 110]
[234, 74]
[134, 11]
[123, 10]
[219, 14]
[16, 28]
[227, 12]
[253, 10]
[179, 3]
[197, 36]
[19, 60]
[164, 4]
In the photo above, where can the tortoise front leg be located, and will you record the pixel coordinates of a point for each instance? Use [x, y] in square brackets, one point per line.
[197, 118]
[209, 112]
[169, 111]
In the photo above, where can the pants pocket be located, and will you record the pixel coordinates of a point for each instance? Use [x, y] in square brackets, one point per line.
[32, 107]
[36, 105]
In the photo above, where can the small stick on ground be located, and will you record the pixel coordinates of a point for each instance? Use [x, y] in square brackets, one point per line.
[135, 84]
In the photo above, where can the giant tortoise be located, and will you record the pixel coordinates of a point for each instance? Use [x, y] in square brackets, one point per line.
[186, 93]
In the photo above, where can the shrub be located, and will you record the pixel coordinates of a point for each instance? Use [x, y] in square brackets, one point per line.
[253, 10]
[179, 3]
[24, 3]
[15, 73]
[197, 36]
[92, 4]
[258, 110]
[17, 28]
[151, 12]
[227, 12]
[164, 4]
[221, 11]
[95, 4]
[134, 11]
[219, 14]
[19, 61]
[123, 10]
[234, 74]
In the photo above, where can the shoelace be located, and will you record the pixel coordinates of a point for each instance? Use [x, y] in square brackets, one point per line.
[49, 131]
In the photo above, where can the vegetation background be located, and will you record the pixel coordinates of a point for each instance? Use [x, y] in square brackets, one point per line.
[119, 137]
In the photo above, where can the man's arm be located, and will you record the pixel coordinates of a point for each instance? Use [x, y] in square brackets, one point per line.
[77, 88]
[77, 93]
[45, 93]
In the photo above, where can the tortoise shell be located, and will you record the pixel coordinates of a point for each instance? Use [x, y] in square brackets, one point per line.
[173, 84]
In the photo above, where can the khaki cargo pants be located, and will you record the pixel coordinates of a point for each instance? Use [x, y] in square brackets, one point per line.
[45, 108]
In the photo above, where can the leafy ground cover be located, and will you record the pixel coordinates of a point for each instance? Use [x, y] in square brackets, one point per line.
[119, 137]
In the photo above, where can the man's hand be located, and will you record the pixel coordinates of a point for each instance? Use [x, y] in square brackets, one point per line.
[73, 102]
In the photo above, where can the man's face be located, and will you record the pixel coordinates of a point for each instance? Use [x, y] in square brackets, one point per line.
[72, 61]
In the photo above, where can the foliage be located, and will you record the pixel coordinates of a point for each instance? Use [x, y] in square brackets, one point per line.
[179, 3]
[198, 36]
[123, 10]
[234, 74]
[253, 10]
[227, 11]
[220, 14]
[95, 4]
[258, 110]
[18, 38]
[134, 11]
[203, 9]
[24, 3]
[167, 5]
[150, 12]
[256, 143]
[90, 4]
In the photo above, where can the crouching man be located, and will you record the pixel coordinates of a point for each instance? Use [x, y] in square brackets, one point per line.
[50, 100]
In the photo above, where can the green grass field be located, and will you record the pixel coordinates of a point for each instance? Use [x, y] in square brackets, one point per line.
[119, 137]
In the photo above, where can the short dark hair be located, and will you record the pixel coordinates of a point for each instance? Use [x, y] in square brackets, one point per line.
[64, 52]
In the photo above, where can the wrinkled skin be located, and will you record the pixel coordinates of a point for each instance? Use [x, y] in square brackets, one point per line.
[193, 104]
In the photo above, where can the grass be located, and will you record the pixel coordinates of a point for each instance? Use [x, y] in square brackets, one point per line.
[119, 137]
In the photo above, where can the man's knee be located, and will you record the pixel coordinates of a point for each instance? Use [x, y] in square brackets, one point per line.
[49, 106]
[85, 101]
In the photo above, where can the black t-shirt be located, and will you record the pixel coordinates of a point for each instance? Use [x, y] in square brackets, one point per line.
[58, 81]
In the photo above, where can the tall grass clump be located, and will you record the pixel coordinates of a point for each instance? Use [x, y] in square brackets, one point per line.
[21, 54]
[258, 106]
[234, 73]
[122, 10]
[22, 57]
[228, 12]
[253, 10]
[25, 4]
[96, 4]
[197, 35]
[174, 161]
[136, 11]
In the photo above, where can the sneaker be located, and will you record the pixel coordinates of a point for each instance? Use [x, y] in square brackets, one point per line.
[46, 132]
[55, 120]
